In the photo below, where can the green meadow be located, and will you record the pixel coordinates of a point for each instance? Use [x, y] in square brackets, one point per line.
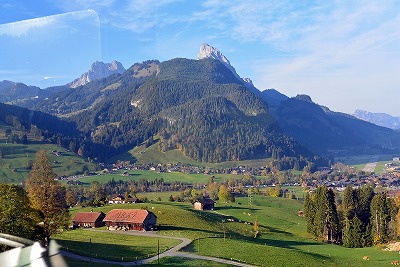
[16, 158]
[152, 175]
[167, 261]
[118, 247]
[152, 154]
[360, 161]
[228, 233]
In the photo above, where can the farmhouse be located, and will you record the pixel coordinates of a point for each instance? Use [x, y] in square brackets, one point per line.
[130, 219]
[120, 199]
[204, 204]
[88, 219]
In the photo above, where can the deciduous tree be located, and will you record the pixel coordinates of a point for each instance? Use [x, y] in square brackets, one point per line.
[225, 195]
[47, 195]
[16, 215]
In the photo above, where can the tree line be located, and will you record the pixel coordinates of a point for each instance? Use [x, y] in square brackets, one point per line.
[362, 218]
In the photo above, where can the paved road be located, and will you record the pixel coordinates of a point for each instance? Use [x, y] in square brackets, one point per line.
[173, 252]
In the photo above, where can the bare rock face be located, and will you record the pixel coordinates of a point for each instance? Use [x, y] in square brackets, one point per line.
[207, 51]
[98, 70]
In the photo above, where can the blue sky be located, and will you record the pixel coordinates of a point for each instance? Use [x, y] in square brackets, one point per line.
[344, 54]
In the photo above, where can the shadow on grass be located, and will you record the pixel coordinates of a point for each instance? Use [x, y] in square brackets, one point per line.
[291, 245]
[179, 228]
[105, 251]
[235, 208]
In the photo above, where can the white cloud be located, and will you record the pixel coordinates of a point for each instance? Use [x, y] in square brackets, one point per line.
[134, 15]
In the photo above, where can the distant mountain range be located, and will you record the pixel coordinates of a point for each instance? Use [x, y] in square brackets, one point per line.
[205, 109]
[381, 119]
[15, 93]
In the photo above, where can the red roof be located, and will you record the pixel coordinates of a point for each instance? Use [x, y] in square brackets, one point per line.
[86, 216]
[127, 216]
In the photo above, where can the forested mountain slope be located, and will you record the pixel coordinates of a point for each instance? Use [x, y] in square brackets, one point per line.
[325, 131]
[198, 106]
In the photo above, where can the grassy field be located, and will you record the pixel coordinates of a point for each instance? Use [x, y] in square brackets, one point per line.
[360, 161]
[16, 157]
[152, 154]
[13, 165]
[119, 247]
[152, 175]
[227, 233]
[167, 261]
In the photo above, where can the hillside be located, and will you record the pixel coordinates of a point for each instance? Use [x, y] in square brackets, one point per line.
[18, 93]
[72, 101]
[50, 129]
[17, 155]
[327, 132]
[197, 106]
[227, 232]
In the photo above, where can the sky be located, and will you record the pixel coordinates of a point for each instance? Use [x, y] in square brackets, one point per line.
[344, 54]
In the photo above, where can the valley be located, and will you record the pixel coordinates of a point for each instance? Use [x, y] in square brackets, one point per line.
[161, 136]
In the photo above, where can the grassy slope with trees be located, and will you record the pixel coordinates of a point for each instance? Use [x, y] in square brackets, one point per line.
[282, 240]
[17, 159]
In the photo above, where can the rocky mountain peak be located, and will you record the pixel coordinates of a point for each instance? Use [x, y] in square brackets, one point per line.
[207, 51]
[98, 70]
[248, 80]
[303, 97]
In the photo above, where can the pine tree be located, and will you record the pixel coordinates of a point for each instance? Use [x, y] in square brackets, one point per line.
[309, 212]
[47, 195]
[353, 232]
[321, 214]
[383, 216]
[349, 203]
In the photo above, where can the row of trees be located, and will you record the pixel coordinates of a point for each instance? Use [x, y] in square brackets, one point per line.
[38, 212]
[362, 219]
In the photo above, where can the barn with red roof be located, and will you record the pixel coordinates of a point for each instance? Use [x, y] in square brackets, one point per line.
[130, 219]
[88, 219]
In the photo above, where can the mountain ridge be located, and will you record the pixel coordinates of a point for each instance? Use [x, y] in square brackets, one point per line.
[203, 108]
[380, 119]
[98, 70]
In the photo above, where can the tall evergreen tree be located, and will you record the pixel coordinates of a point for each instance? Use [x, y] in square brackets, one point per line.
[321, 206]
[47, 195]
[353, 232]
[383, 214]
[309, 212]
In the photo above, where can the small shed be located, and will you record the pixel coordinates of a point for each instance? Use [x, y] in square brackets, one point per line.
[88, 219]
[130, 219]
[204, 204]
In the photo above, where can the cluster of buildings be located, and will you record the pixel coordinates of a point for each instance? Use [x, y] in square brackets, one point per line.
[128, 219]
[117, 219]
